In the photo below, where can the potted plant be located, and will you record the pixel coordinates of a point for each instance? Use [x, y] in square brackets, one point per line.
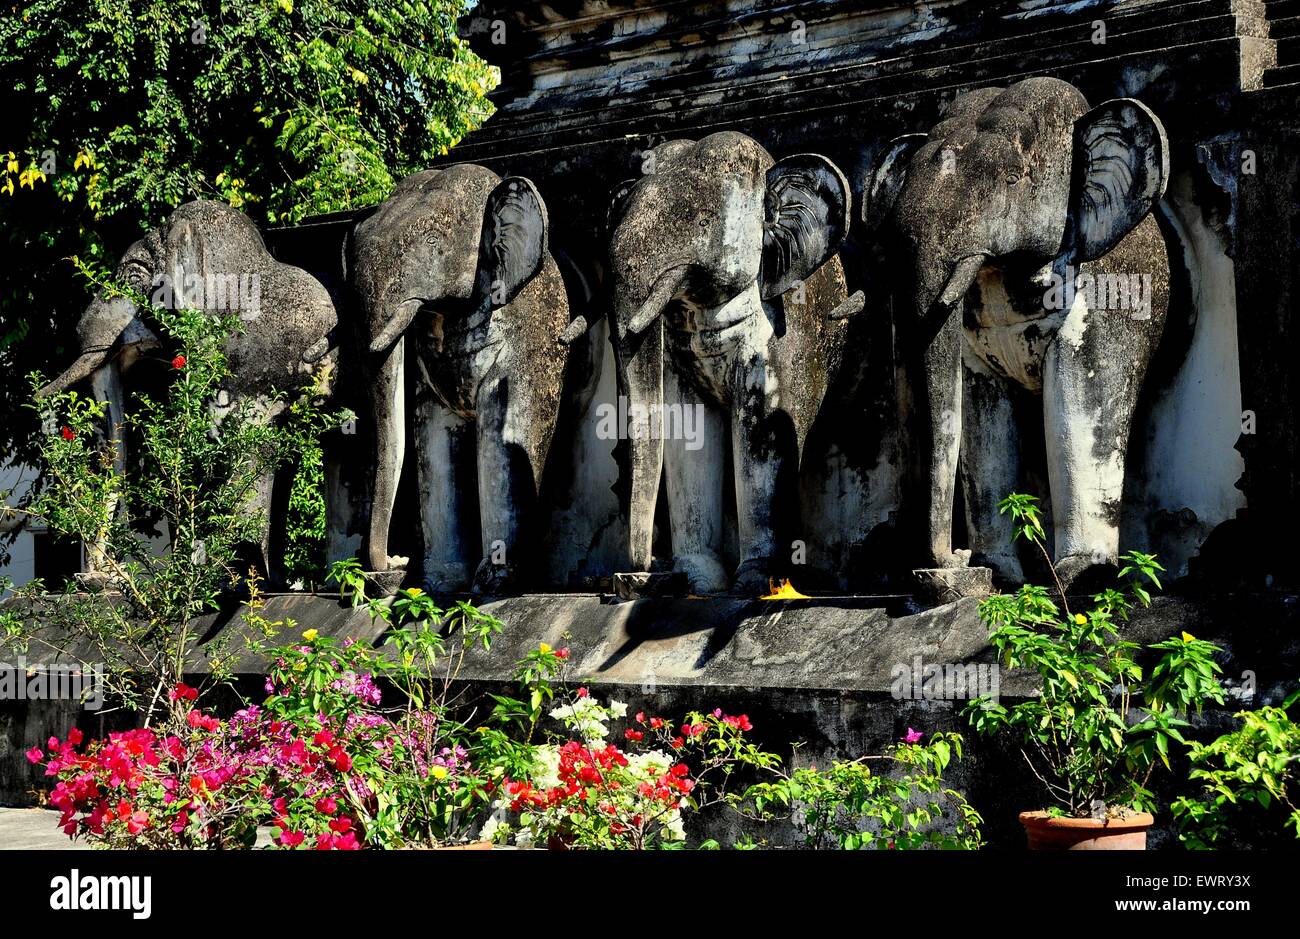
[1101, 723]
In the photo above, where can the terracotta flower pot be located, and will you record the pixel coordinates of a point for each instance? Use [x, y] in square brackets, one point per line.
[1125, 833]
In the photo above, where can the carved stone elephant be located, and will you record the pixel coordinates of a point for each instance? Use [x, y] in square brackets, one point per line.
[725, 280]
[1023, 221]
[454, 278]
[211, 257]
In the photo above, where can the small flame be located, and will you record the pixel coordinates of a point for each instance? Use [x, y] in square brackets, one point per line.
[785, 592]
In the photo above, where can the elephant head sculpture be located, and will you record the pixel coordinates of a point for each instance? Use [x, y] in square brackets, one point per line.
[454, 275]
[209, 256]
[726, 291]
[1032, 261]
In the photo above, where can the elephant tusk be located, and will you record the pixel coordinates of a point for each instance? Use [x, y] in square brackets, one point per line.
[665, 288]
[852, 306]
[573, 331]
[86, 364]
[962, 277]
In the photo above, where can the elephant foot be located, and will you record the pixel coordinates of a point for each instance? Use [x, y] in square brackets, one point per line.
[92, 581]
[753, 578]
[934, 586]
[1086, 573]
[952, 560]
[704, 573]
[1006, 567]
[387, 582]
[494, 580]
[446, 577]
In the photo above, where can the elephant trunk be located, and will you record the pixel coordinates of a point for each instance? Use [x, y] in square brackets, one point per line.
[640, 356]
[937, 338]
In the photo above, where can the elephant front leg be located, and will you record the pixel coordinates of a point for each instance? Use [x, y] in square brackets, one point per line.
[106, 386]
[441, 439]
[939, 441]
[388, 414]
[506, 488]
[764, 453]
[693, 466]
[641, 385]
[990, 457]
[1090, 390]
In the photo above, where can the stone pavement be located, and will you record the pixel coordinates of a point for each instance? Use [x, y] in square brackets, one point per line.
[34, 829]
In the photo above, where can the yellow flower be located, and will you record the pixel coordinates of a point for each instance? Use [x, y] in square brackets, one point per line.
[310, 635]
[544, 648]
[438, 772]
[1188, 637]
[1080, 619]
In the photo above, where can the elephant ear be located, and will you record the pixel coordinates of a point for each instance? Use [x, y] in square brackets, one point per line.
[1121, 169]
[512, 247]
[806, 217]
[885, 183]
[618, 204]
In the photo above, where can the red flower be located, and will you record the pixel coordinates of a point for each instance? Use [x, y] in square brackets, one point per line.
[633, 735]
[137, 823]
[323, 739]
[178, 362]
[582, 692]
[562, 653]
[75, 737]
[678, 743]
[327, 805]
[341, 825]
[34, 755]
[291, 839]
[341, 761]
[69, 434]
[183, 692]
[640, 717]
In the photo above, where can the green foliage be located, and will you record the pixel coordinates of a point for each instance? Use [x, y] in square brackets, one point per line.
[347, 573]
[850, 807]
[1099, 727]
[1253, 770]
[117, 111]
[432, 781]
[191, 478]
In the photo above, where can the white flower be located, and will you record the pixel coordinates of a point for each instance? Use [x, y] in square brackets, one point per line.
[617, 708]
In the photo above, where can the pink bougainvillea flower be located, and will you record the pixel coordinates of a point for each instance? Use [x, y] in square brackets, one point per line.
[34, 755]
[912, 736]
[341, 825]
[582, 692]
[178, 362]
[327, 805]
[182, 692]
[340, 760]
[323, 739]
[291, 839]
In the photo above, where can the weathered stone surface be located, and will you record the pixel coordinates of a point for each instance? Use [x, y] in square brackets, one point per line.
[935, 585]
[635, 586]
